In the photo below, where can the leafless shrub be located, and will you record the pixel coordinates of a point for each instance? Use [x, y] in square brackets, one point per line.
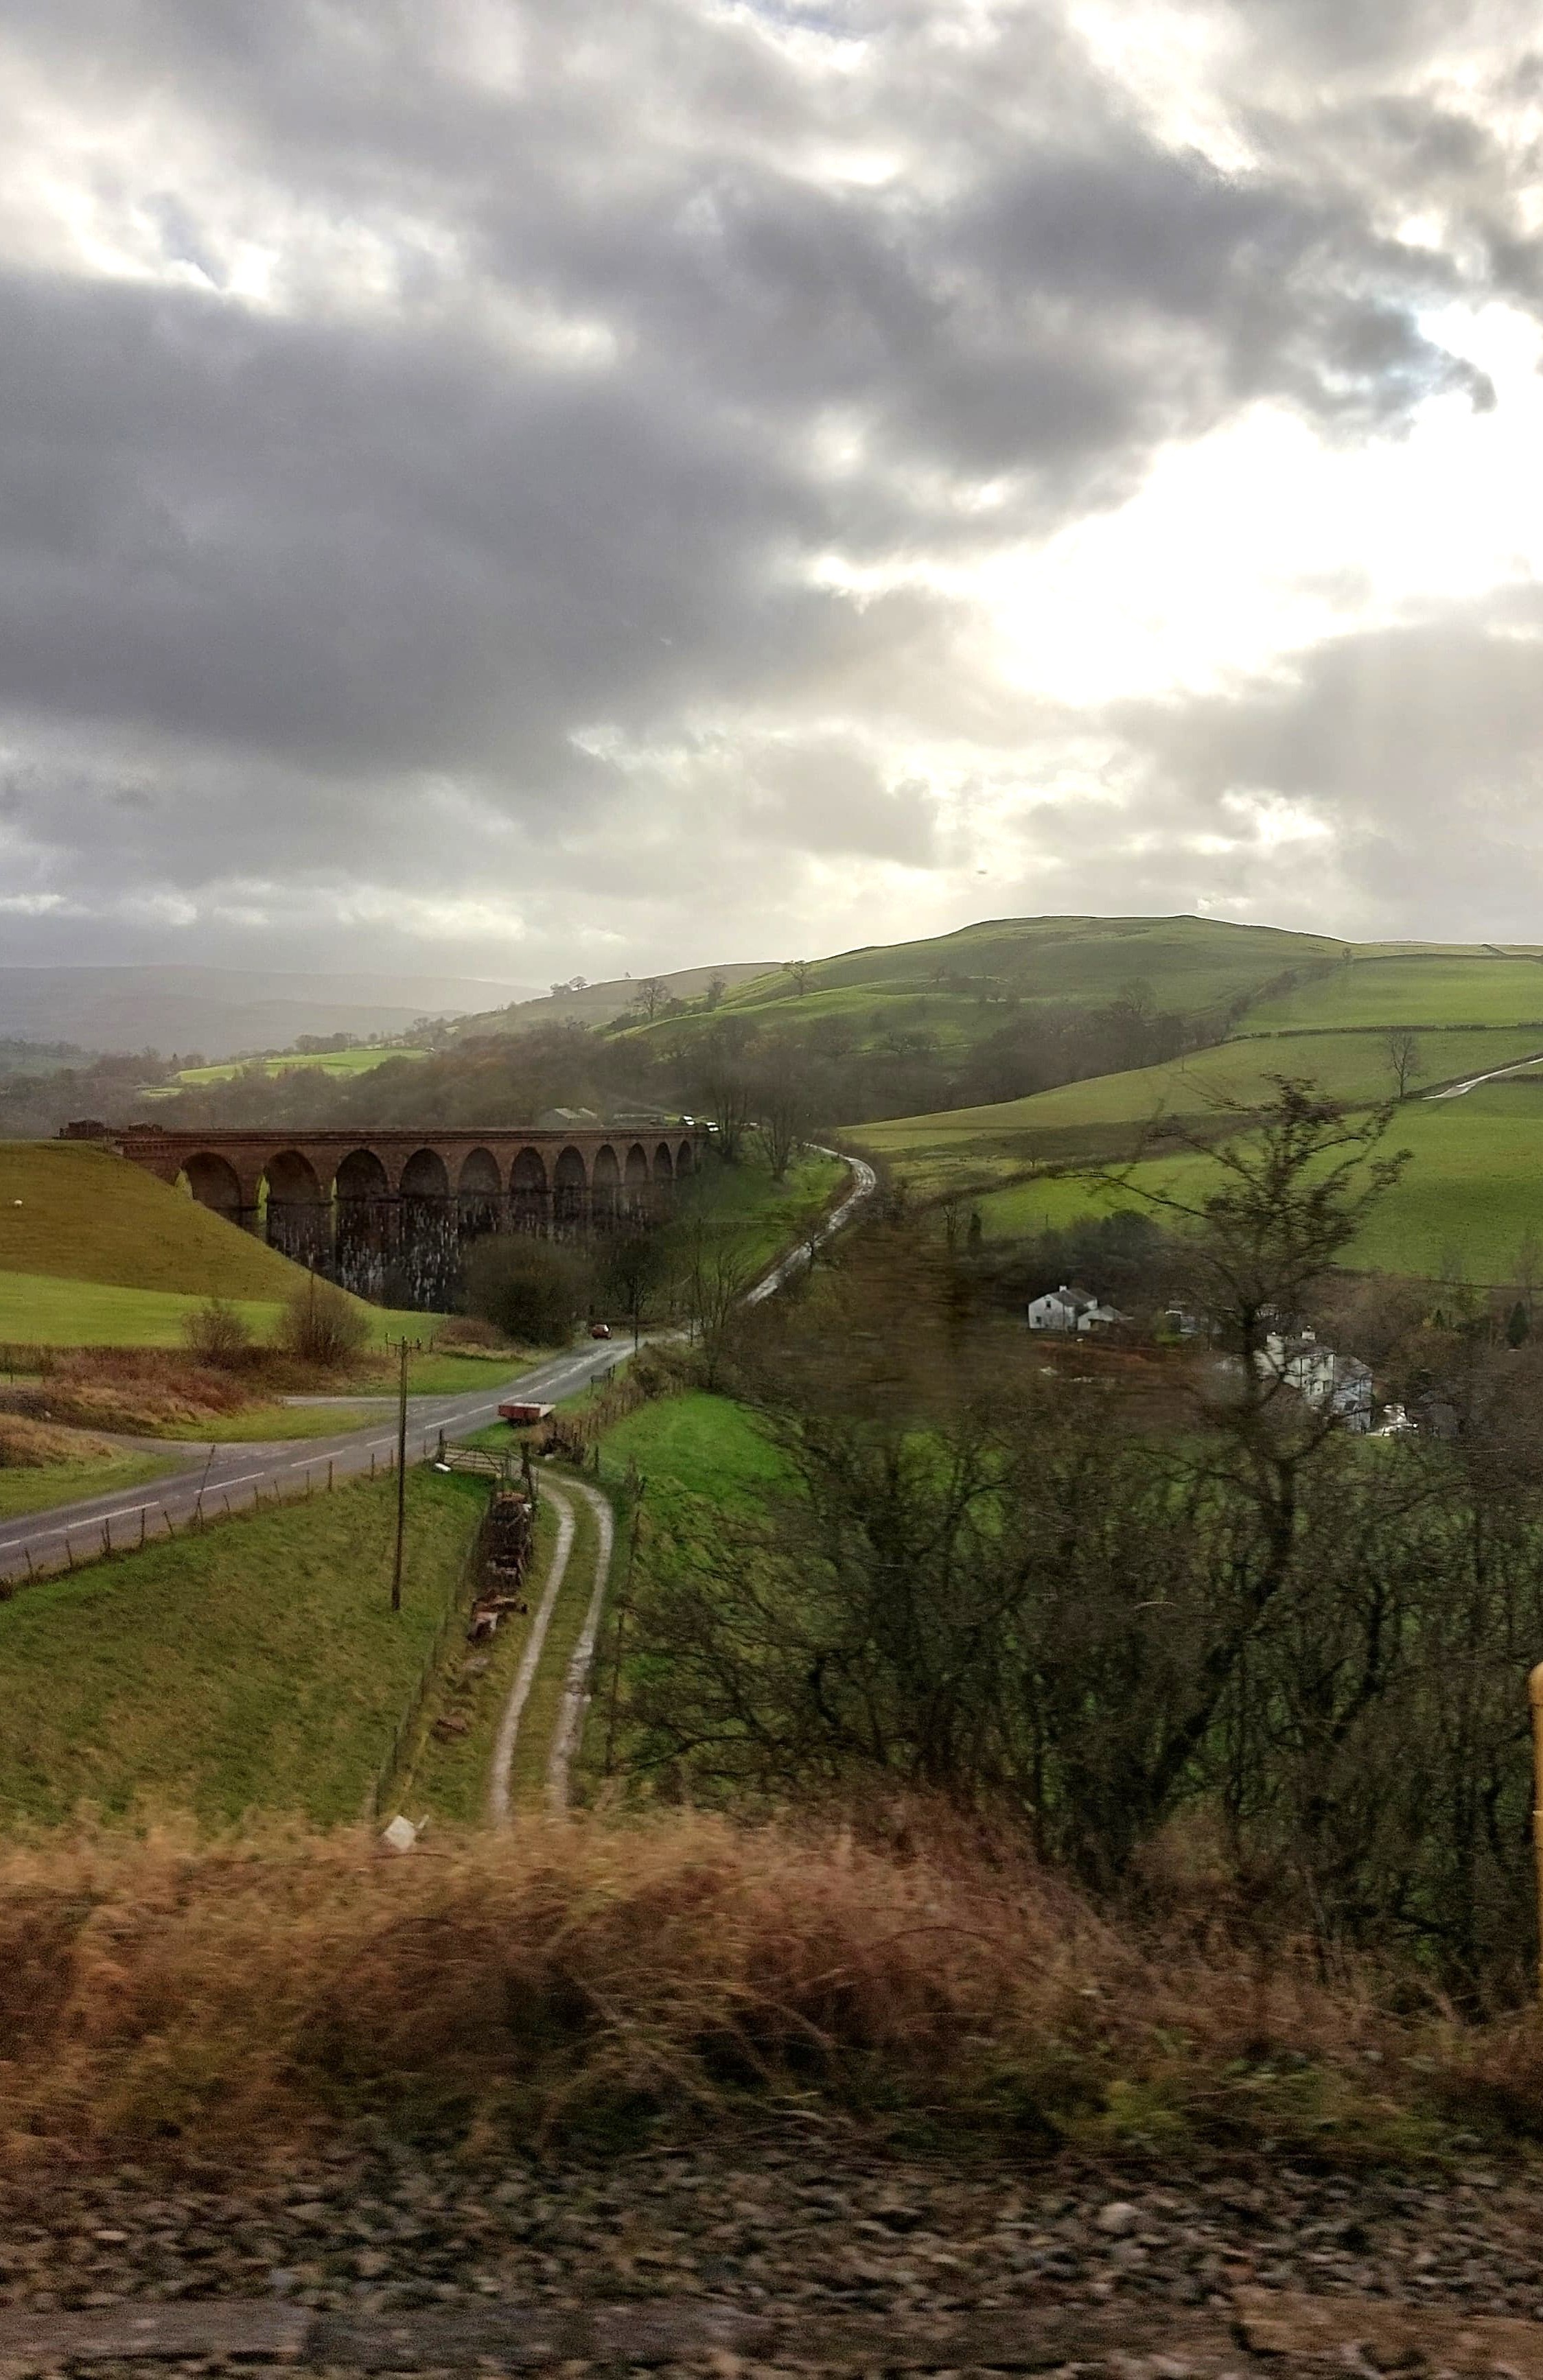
[216, 1333]
[324, 1326]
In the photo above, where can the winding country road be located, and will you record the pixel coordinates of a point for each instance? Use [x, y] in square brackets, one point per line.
[1496, 1073]
[213, 1480]
[241, 1472]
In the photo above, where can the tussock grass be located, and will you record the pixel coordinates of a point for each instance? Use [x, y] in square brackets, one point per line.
[249, 1993]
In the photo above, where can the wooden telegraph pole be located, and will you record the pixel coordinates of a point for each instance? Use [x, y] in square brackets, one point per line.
[401, 1477]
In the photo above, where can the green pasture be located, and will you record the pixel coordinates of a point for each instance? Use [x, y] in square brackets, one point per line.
[47, 1310]
[87, 1215]
[1085, 1119]
[692, 1445]
[768, 1216]
[38, 1488]
[954, 986]
[309, 1062]
[1473, 1188]
[257, 1666]
[1420, 988]
[1190, 963]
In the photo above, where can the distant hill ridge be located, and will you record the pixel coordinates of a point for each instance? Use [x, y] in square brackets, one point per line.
[220, 1011]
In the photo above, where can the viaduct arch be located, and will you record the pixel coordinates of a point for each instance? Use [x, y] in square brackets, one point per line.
[354, 1205]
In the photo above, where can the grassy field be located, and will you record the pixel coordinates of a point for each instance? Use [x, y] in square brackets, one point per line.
[1095, 1118]
[257, 1666]
[86, 1215]
[769, 1216]
[309, 1062]
[706, 1445]
[37, 1488]
[48, 1310]
[953, 985]
[1420, 988]
[1473, 1189]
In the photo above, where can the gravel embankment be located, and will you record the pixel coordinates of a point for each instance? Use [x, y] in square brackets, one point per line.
[845, 2233]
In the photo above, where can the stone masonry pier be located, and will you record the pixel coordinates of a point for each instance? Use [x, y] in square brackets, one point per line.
[362, 1206]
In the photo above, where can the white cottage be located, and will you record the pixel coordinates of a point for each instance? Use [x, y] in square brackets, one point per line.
[1338, 1384]
[1070, 1311]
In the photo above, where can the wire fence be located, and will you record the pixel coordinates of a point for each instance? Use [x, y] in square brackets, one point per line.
[180, 1510]
[457, 1610]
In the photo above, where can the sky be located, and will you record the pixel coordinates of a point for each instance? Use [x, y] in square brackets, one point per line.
[518, 489]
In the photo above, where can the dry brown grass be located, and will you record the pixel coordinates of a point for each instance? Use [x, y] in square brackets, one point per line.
[242, 1995]
[145, 1389]
[32, 1445]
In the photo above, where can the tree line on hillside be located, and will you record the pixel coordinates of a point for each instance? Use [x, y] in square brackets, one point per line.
[1212, 1657]
[819, 1071]
[44, 1086]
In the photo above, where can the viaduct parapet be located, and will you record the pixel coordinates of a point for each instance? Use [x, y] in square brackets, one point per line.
[359, 1205]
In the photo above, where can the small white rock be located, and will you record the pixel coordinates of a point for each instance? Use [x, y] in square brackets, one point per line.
[400, 1836]
[1118, 2217]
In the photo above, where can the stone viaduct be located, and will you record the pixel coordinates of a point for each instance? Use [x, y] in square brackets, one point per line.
[358, 1205]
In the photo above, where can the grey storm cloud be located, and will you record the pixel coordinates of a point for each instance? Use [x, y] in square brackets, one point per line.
[474, 533]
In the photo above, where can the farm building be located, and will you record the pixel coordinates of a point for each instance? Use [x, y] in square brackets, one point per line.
[1068, 1310]
[1340, 1384]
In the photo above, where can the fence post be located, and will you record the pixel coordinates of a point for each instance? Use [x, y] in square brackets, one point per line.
[329, 1475]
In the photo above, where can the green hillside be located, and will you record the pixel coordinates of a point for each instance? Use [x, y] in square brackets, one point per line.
[288, 1062]
[1432, 988]
[1473, 1190]
[1475, 1185]
[959, 987]
[1099, 1117]
[599, 1004]
[83, 1214]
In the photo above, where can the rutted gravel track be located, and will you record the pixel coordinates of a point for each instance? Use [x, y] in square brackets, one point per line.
[569, 1729]
[502, 1771]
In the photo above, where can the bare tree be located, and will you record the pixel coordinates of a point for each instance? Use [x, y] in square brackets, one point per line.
[781, 1106]
[717, 1083]
[651, 996]
[800, 970]
[714, 1276]
[1402, 1048]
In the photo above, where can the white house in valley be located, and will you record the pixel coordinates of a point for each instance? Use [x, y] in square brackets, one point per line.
[1069, 1311]
[1338, 1384]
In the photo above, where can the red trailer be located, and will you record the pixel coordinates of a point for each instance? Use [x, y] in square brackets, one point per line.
[520, 1414]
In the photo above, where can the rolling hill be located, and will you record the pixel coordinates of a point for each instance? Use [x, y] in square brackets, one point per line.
[220, 1010]
[601, 1004]
[94, 1251]
[959, 987]
[1476, 1184]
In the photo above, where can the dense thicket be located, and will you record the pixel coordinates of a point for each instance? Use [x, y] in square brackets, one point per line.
[1165, 1615]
